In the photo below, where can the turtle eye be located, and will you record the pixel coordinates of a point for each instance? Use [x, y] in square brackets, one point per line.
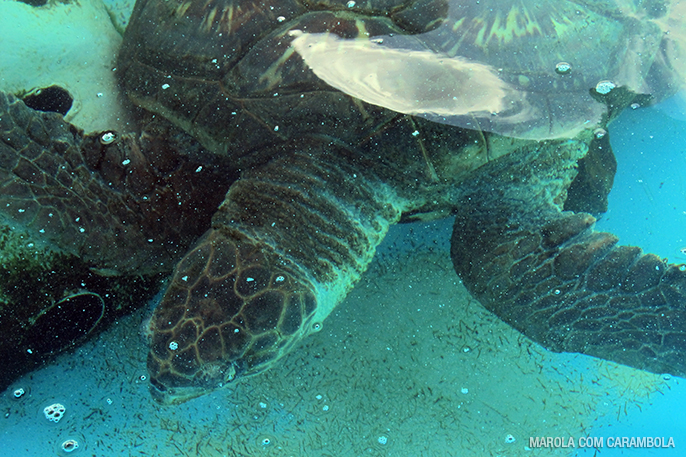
[108, 137]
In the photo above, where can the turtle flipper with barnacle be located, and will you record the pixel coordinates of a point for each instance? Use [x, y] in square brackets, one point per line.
[343, 119]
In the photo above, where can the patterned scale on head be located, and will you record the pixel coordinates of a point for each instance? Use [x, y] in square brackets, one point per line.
[229, 311]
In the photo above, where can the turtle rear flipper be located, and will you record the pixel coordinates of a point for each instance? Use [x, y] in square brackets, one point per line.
[572, 289]
[123, 203]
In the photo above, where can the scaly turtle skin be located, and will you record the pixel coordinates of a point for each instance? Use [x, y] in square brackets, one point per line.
[76, 217]
[324, 173]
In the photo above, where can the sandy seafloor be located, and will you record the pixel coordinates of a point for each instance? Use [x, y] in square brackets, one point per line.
[408, 365]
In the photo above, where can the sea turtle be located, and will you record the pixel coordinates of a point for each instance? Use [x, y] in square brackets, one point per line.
[327, 122]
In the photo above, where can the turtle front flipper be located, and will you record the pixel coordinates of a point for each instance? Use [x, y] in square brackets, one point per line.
[572, 289]
[287, 244]
[122, 203]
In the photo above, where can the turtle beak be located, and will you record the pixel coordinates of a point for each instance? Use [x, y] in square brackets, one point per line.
[158, 392]
[179, 394]
[176, 396]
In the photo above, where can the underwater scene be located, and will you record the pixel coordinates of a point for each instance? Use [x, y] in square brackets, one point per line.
[335, 228]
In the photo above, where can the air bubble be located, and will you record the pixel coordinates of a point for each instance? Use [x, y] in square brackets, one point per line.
[70, 445]
[563, 68]
[265, 440]
[604, 87]
[108, 138]
[599, 133]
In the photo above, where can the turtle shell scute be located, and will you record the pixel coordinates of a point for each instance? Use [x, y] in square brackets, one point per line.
[263, 311]
[223, 259]
[210, 345]
[310, 304]
[168, 378]
[292, 316]
[186, 362]
[225, 296]
[187, 335]
[252, 280]
[235, 339]
[167, 317]
[194, 262]
[644, 274]
[213, 301]
[159, 346]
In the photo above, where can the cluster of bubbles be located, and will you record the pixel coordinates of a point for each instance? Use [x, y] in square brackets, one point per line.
[603, 87]
[55, 412]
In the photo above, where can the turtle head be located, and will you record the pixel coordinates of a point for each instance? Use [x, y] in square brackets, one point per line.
[232, 309]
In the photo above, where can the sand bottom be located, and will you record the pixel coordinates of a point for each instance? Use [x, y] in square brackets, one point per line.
[408, 365]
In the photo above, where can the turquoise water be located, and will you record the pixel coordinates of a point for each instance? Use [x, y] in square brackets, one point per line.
[648, 209]
[648, 200]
